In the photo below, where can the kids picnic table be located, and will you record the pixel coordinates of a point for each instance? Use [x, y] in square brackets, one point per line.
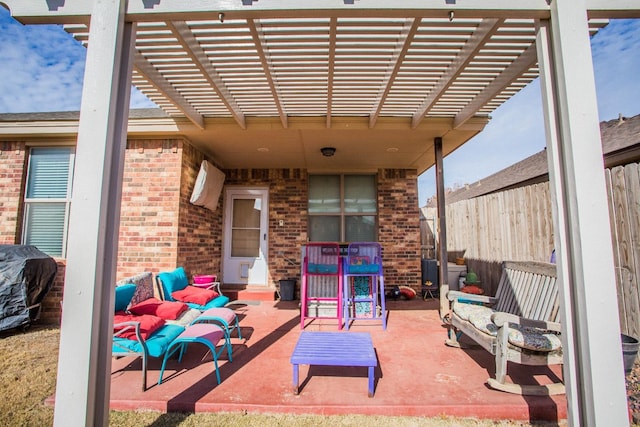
[334, 349]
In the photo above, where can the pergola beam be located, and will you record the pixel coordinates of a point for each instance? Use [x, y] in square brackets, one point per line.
[258, 38]
[402, 46]
[154, 77]
[525, 61]
[186, 38]
[78, 11]
[476, 42]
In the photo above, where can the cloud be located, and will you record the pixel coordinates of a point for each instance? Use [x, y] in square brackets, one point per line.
[42, 69]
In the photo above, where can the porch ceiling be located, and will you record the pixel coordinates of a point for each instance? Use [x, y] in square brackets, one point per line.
[252, 85]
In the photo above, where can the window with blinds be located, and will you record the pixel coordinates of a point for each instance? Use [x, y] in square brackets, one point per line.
[343, 208]
[47, 199]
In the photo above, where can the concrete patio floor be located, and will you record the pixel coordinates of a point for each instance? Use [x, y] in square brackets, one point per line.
[417, 375]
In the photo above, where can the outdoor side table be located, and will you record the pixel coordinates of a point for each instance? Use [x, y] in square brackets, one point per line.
[334, 349]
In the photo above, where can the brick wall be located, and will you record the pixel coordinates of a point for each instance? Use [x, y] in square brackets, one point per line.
[51, 309]
[148, 239]
[399, 226]
[13, 160]
[199, 229]
[160, 229]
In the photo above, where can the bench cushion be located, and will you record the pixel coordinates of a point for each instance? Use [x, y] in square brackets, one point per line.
[533, 339]
[464, 310]
[173, 281]
[167, 310]
[157, 343]
[148, 325]
[219, 301]
[123, 296]
[481, 319]
[194, 295]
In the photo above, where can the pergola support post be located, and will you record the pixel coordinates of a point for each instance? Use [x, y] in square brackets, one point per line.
[593, 371]
[442, 229]
[84, 361]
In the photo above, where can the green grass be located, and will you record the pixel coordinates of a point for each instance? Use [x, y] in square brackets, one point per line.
[28, 376]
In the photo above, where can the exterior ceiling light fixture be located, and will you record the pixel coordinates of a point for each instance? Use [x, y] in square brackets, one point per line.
[328, 151]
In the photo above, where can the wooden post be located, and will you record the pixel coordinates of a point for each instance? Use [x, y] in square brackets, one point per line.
[442, 229]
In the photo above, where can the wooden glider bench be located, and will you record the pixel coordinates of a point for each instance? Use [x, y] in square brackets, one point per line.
[520, 324]
[335, 349]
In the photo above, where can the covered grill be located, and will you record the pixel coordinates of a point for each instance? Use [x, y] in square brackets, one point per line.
[26, 275]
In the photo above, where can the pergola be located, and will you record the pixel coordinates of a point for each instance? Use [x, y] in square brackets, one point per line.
[405, 82]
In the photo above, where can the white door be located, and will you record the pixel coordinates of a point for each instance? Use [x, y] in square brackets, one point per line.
[245, 236]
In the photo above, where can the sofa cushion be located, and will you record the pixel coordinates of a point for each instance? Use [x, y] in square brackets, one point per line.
[157, 343]
[533, 339]
[194, 295]
[173, 281]
[124, 293]
[167, 310]
[148, 325]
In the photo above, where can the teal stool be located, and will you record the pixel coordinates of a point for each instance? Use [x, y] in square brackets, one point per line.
[203, 333]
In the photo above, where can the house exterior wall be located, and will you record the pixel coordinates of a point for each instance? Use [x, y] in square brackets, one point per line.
[160, 229]
[399, 226]
[148, 238]
[398, 220]
[199, 238]
[13, 160]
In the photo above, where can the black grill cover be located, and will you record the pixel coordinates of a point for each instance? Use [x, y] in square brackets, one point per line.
[26, 275]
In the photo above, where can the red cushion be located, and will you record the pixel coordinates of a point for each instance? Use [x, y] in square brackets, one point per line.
[194, 295]
[148, 324]
[472, 289]
[407, 292]
[168, 310]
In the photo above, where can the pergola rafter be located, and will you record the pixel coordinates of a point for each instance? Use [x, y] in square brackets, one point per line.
[265, 58]
[403, 44]
[157, 80]
[185, 37]
[480, 37]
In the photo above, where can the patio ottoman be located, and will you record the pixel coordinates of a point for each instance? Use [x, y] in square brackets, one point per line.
[225, 318]
[203, 333]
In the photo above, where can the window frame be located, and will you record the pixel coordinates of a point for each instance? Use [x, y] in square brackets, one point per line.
[342, 214]
[28, 202]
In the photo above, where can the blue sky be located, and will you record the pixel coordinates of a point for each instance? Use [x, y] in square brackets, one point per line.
[42, 70]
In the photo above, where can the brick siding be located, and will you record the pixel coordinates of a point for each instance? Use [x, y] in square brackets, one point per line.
[199, 229]
[13, 160]
[399, 227]
[148, 239]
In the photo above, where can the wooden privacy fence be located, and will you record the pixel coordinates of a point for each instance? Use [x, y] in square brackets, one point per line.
[517, 225]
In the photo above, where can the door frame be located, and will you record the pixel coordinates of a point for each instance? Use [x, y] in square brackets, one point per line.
[229, 192]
